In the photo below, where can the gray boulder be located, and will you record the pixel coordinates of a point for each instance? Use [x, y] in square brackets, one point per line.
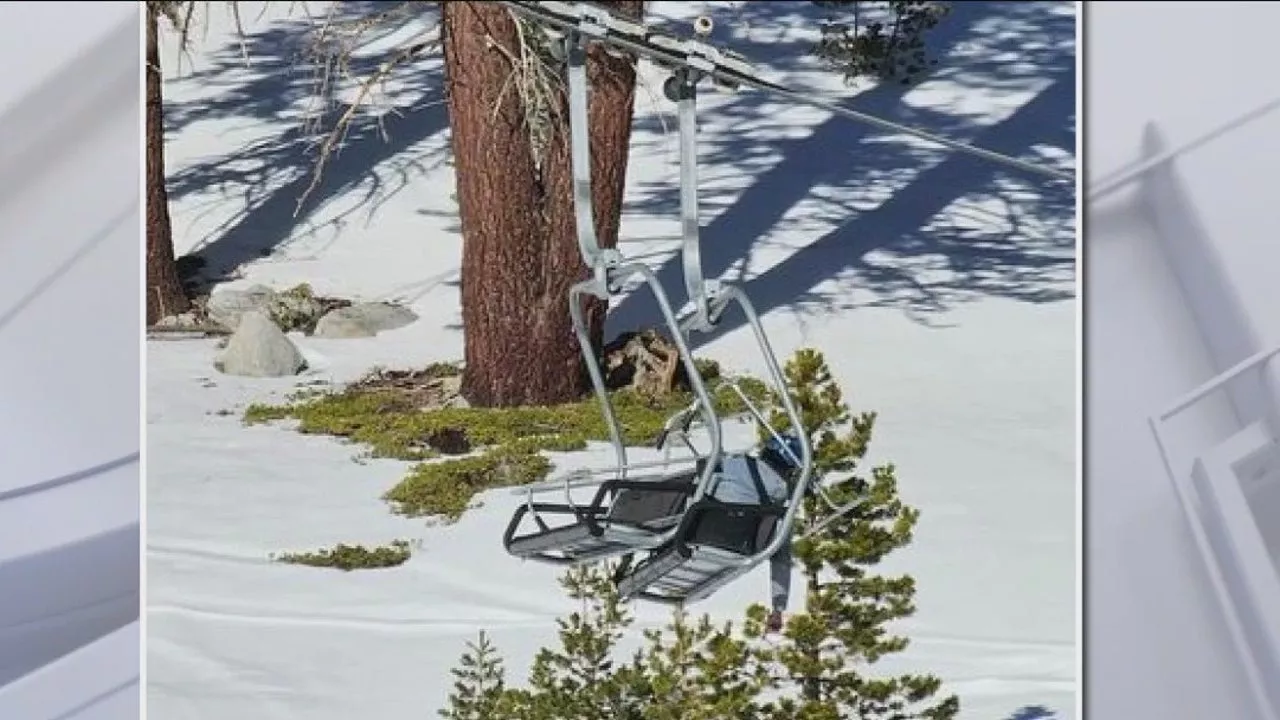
[225, 307]
[258, 348]
[363, 320]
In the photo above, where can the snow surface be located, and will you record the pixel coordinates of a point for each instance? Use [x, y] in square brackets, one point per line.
[940, 287]
[81, 26]
[98, 681]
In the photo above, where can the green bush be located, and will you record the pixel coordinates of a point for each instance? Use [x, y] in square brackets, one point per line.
[447, 488]
[351, 557]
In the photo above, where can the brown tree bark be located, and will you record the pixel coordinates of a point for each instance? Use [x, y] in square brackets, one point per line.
[520, 253]
[165, 295]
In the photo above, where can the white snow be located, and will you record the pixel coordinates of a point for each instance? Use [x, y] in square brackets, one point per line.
[98, 681]
[941, 289]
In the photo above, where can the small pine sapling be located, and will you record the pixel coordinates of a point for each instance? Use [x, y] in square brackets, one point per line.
[479, 687]
[821, 660]
[577, 681]
[697, 670]
[580, 680]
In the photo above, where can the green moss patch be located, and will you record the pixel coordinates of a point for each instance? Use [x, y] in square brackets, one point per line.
[398, 414]
[351, 557]
[447, 488]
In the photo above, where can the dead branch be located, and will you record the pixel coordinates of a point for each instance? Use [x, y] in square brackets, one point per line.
[181, 15]
[536, 79]
[186, 332]
[332, 49]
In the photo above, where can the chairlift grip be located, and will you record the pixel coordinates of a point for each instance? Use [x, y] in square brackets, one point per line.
[685, 85]
[594, 257]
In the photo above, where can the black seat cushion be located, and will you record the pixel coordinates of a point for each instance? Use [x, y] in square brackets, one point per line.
[644, 507]
[641, 507]
[737, 528]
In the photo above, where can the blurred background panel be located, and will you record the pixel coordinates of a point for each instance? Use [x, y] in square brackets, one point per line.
[70, 324]
[1182, 139]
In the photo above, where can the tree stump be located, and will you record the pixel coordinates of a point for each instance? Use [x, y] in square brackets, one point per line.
[645, 361]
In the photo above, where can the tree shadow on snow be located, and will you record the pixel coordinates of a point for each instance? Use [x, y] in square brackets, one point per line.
[886, 220]
[267, 177]
[1032, 712]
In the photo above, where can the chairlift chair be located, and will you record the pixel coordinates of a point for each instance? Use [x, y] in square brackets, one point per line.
[695, 543]
[717, 541]
[623, 516]
[626, 514]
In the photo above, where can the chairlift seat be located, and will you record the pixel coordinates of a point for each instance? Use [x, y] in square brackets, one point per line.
[732, 527]
[625, 515]
[716, 543]
[723, 535]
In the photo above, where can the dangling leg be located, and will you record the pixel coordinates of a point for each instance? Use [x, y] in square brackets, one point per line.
[779, 585]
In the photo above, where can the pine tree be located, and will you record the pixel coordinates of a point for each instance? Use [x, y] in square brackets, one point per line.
[696, 670]
[166, 296]
[479, 683]
[579, 680]
[822, 658]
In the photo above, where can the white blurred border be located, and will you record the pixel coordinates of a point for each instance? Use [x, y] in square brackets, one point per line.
[1181, 179]
[70, 339]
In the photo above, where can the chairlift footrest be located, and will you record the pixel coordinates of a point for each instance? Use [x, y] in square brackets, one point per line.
[666, 576]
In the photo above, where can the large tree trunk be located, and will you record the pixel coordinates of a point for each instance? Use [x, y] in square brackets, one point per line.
[520, 253]
[165, 296]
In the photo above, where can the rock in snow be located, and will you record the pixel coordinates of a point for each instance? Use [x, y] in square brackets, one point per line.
[294, 309]
[258, 348]
[363, 320]
[225, 307]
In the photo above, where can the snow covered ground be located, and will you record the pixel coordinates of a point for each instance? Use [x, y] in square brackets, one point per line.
[940, 287]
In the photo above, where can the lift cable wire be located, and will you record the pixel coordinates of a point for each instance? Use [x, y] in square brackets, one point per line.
[666, 49]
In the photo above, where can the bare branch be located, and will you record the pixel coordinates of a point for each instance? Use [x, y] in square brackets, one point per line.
[181, 15]
[536, 78]
[335, 43]
[244, 44]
